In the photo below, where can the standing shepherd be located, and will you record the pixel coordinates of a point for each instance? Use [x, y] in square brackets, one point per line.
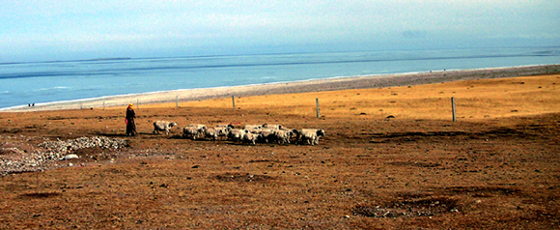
[130, 125]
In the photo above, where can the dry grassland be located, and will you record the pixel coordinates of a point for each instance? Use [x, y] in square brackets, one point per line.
[498, 167]
[475, 99]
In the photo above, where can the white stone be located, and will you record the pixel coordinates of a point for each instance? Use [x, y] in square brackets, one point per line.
[70, 157]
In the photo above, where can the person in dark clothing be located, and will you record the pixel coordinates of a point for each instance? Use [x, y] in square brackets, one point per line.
[130, 125]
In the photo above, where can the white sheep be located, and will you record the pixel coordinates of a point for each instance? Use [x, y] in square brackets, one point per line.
[283, 136]
[194, 130]
[198, 126]
[211, 133]
[252, 128]
[267, 135]
[236, 134]
[222, 132]
[163, 126]
[250, 137]
[223, 129]
[225, 126]
[190, 132]
[311, 136]
[272, 126]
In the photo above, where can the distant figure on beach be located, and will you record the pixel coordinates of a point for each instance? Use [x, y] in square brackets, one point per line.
[129, 120]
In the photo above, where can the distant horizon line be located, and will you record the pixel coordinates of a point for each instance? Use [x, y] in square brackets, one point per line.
[253, 54]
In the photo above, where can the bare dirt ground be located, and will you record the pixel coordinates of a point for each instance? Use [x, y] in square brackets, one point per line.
[369, 172]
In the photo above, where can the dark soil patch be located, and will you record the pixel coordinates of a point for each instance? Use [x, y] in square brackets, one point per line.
[408, 208]
[259, 161]
[416, 164]
[239, 177]
[10, 130]
[39, 195]
[483, 191]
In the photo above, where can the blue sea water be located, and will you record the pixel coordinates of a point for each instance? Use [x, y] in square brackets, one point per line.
[43, 82]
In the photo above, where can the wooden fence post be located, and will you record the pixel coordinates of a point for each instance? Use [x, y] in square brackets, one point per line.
[103, 105]
[233, 101]
[138, 103]
[318, 110]
[177, 101]
[453, 109]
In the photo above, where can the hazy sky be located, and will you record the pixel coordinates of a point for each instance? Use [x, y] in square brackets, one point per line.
[34, 30]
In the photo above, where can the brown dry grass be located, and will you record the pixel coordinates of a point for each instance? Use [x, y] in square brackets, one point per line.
[495, 168]
[475, 99]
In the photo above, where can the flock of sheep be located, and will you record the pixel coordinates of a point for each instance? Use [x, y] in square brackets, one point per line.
[250, 134]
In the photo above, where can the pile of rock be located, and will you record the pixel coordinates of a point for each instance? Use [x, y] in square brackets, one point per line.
[17, 157]
[14, 159]
[59, 149]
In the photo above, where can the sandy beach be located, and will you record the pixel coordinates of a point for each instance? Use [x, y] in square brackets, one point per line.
[331, 84]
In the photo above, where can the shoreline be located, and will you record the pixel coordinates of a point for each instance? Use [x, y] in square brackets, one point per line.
[304, 86]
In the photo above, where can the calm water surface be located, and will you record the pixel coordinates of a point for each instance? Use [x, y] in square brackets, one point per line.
[42, 82]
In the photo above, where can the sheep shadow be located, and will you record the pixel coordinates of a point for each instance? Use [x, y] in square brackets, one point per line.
[181, 137]
[178, 137]
[121, 134]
